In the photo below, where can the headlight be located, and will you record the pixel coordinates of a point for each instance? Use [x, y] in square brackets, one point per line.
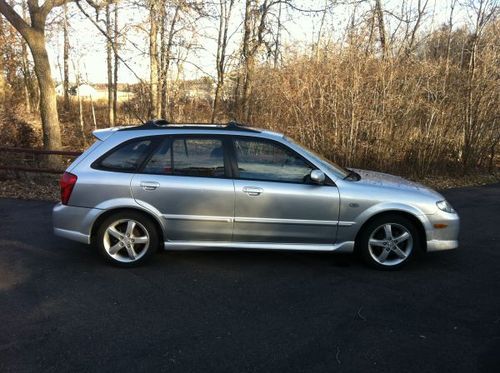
[445, 206]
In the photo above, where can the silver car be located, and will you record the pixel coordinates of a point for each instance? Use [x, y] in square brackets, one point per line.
[184, 187]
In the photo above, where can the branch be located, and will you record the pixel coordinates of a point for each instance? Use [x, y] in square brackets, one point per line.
[48, 5]
[295, 7]
[110, 39]
[15, 20]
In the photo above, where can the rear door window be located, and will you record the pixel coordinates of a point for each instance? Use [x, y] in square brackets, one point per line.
[188, 156]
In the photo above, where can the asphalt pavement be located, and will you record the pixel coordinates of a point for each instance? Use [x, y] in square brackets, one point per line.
[62, 309]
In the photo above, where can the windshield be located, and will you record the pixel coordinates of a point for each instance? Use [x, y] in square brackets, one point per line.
[330, 165]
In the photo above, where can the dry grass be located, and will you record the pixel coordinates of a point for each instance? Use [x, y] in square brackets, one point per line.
[430, 115]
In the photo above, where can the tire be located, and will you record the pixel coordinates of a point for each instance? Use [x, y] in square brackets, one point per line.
[127, 239]
[389, 242]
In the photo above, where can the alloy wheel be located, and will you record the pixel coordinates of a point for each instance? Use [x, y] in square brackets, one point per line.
[126, 240]
[390, 244]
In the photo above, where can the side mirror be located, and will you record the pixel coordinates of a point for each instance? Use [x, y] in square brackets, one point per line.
[317, 176]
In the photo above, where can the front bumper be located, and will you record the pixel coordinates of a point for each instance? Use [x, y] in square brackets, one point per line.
[440, 245]
[439, 239]
[74, 223]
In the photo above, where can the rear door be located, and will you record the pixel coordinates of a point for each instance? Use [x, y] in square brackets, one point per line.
[275, 199]
[187, 179]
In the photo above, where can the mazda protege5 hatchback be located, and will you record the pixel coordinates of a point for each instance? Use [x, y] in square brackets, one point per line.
[183, 187]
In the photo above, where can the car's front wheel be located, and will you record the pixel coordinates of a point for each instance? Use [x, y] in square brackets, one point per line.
[389, 242]
[127, 239]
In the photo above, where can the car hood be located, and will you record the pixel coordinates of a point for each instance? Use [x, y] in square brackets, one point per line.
[372, 178]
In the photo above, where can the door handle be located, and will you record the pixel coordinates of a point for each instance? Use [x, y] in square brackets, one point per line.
[149, 185]
[253, 191]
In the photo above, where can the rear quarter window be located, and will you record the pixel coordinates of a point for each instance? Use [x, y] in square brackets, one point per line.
[126, 157]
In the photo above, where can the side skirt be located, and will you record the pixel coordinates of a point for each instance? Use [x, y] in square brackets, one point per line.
[343, 247]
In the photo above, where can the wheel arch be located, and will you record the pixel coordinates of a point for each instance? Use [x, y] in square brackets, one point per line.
[97, 222]
[413, 218]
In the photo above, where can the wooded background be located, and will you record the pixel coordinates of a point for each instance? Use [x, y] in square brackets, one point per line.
[410, 87]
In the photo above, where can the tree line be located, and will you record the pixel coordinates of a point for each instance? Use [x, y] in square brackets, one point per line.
[392, 90]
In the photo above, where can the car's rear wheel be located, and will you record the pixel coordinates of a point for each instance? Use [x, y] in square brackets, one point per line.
[127, 239]
[389, 242]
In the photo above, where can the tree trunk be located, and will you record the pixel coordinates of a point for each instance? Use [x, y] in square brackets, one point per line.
[161, 77]
[48, 102]
[3, 83]
[28, 84]
[247, 87]
[34, 35]
[153, 61]
[278, 37]
[115, 65]
[66, 59]
[166, 55]
[246, 58]
[381, 27]
[225, 15]
[109, 63]
[80, 111]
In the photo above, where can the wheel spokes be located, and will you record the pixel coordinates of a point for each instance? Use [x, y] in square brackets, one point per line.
[375, 242]
[142, 239]
[115, 248]
[115, 233]
[131, 252]
[388, 231]
[399, 252]
[383, 255]
[130, 227]
[403, 237]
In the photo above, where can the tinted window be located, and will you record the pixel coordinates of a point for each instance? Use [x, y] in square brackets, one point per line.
[264, 160]
[188, 157]
[127, 157]
[161, 160]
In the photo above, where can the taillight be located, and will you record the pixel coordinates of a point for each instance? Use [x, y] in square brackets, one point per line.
[67, 183]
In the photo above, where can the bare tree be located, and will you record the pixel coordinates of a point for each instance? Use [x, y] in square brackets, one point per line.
[420, 14]
[3, 82]
[222, 40]
[381, 27]
[166, 41]
[66, 58]
[115, 61]
[254, 25]
[484, 11]
[448, 45]
[34, 34]
[109, 61]
[153, 58]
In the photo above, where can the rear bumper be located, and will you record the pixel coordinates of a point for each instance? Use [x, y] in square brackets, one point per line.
[72, 235]
[74, 223]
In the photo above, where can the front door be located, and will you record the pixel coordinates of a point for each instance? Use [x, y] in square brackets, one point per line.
[186, 180]
[275, 199]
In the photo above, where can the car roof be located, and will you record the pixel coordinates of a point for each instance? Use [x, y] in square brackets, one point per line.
[152, 127]
[162, 124]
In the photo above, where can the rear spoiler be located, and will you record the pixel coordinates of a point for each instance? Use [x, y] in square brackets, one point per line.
[104, 133]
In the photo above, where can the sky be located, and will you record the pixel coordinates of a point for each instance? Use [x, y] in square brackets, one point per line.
[88, 53]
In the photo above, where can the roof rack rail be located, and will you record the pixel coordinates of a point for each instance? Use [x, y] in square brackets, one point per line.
[164, 124]
[156, 123]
